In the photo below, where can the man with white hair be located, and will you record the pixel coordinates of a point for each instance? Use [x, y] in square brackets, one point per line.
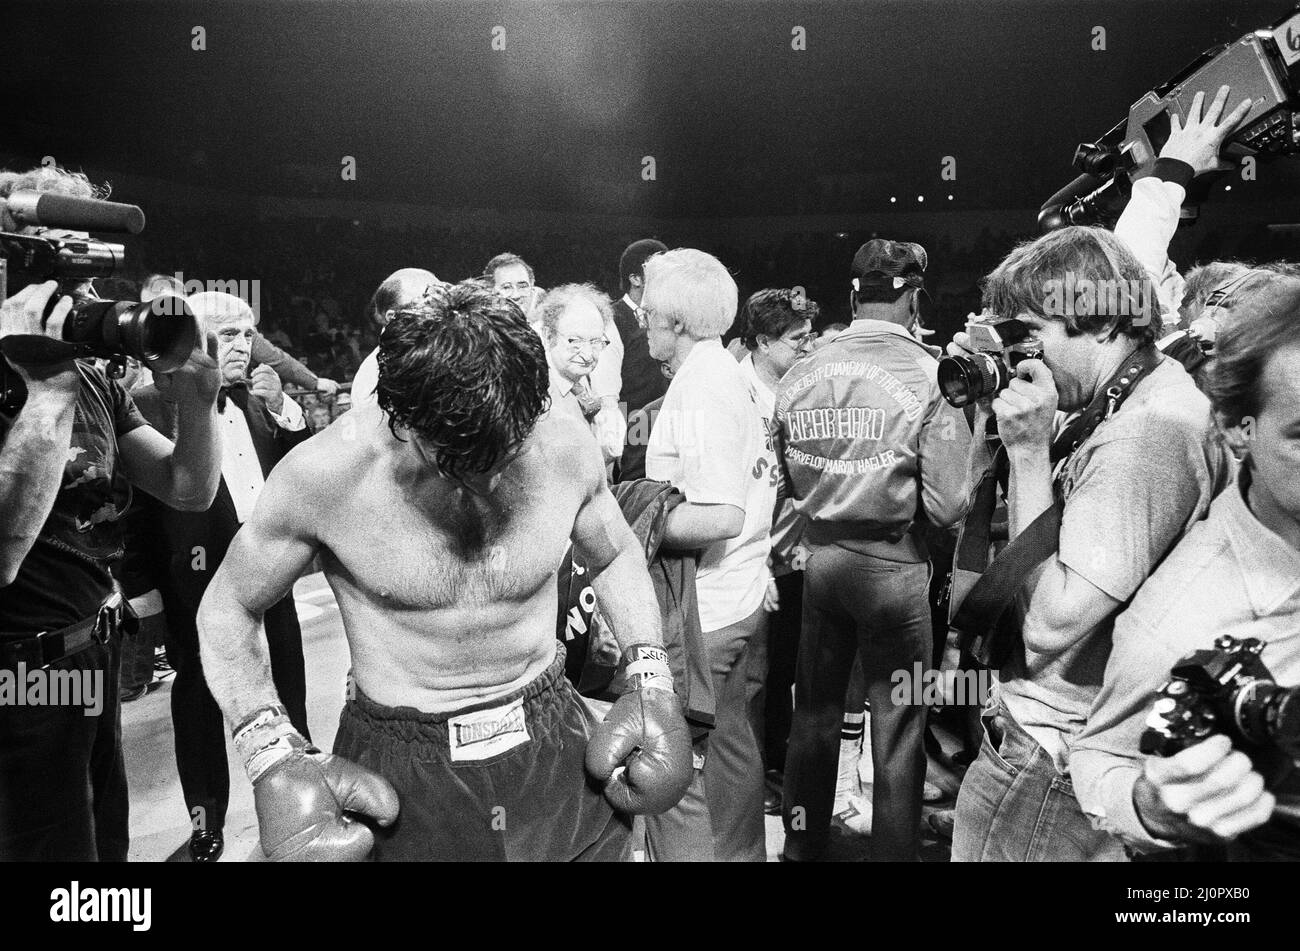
[264, 352]
[709, 442]
[258, 425]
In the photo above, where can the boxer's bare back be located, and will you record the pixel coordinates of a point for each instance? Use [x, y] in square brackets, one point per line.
[448, 597]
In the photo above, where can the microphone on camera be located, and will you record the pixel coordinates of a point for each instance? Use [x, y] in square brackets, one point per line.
[49, 210]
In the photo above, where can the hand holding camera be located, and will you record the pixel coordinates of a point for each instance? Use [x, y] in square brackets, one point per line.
[1026, 408]
[198, 379]
[23, 315]
[990, 365]
[1207, 788]
[1227, 731]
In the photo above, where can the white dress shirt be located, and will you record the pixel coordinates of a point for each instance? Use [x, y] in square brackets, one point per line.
[240, 467]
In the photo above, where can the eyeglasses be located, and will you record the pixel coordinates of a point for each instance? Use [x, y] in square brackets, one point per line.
[595, 345]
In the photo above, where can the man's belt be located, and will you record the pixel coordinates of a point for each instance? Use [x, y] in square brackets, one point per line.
[49, 647]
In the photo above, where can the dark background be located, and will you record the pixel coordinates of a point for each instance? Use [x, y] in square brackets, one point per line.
[781, 162]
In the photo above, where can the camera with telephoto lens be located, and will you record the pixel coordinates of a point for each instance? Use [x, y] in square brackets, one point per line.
[999, 345]
[1228, 689]
[160, 333]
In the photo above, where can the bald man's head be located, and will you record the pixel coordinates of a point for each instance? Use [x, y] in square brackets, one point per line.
[404, 286]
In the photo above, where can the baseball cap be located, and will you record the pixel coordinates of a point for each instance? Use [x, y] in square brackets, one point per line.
[884, 263]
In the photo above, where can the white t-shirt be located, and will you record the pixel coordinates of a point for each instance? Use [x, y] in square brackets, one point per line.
[709, 442]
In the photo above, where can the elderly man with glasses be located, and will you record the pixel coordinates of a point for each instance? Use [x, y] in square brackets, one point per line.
[574, 321]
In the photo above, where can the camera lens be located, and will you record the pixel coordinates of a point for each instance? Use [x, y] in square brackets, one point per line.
[964, 380]
[160, 333]
[1267, 715]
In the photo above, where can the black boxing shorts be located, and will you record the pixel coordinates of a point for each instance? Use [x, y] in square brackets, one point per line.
[497, 782]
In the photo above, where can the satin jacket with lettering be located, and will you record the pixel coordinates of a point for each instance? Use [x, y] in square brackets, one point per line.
[864, 434]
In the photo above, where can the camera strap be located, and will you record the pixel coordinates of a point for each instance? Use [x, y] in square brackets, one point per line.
[985, 627]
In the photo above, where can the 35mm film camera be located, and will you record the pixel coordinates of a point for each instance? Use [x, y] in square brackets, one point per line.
[999, 344]
[1228, 689]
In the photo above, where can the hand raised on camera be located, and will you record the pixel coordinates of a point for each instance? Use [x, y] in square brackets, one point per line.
[1026, 409]
[198, 379]
[1198, 142]
[22, 315]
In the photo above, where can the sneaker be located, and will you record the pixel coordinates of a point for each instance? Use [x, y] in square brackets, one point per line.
[855, 817]
[138, 692]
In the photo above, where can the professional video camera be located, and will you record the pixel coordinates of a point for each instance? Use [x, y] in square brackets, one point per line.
[999, 346]
[1263, 66]
[1229, 690]
[161, 333]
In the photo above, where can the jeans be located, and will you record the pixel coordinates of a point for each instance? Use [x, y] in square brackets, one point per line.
[864, 605]
[63, 795]
[1015, 807]
[783, 654]
[721, 816]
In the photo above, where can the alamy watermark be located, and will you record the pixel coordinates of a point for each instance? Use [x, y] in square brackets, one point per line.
[52, 688]
[250, 292]
[940, 688]
[1114, 297]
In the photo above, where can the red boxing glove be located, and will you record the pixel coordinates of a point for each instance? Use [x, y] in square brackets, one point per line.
[642, 752]
[302, 796]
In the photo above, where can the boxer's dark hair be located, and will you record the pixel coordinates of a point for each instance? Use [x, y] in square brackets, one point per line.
[771, 312]
[463, 370]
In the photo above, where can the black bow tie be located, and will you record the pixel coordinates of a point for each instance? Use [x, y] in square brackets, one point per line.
[223, 394]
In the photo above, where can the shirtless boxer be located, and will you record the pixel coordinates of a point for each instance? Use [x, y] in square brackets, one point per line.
[441, 520]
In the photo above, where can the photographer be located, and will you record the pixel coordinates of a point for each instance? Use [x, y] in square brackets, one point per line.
[71, 443]
[1127, 488]
[1237, 573]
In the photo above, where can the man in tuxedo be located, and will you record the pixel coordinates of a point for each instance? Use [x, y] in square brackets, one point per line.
[643, 377]
[258, 425]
